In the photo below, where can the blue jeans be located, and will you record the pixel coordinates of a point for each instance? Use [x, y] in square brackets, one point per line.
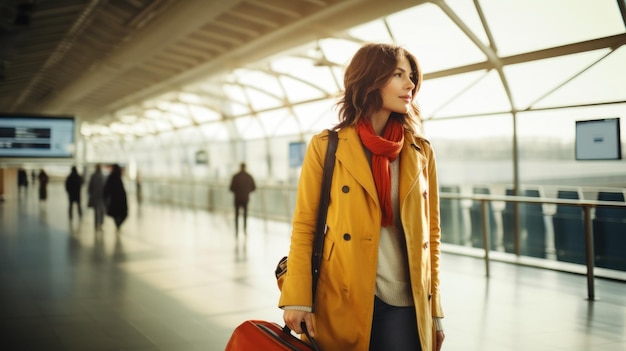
[394, 328]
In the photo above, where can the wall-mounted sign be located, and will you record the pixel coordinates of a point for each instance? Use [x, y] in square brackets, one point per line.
[598, 139]
[202, 157]
[296, 154]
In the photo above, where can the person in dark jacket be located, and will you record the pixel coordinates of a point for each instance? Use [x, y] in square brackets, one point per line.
[242, 184]
[43, 185]
[115, 196]
[73, 183]
[95, 201]
[22, 179]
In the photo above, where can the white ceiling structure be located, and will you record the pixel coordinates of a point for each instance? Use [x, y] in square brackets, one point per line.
[130, 68]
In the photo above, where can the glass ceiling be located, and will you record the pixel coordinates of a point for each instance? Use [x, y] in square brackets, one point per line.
[480, 58]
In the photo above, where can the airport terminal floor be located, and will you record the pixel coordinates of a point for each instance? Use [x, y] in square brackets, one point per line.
[179, 279]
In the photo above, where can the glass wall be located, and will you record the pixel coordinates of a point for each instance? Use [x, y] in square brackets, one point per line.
[500, 101]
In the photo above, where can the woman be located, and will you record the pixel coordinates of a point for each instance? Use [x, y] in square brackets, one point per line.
[115, 196]
[379, 282]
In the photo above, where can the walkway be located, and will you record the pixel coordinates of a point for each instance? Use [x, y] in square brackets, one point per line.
[178, 279]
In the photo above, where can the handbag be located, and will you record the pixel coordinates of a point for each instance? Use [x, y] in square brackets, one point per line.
[262, 335]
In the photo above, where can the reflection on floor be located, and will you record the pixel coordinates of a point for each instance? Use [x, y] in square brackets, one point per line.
[178, 279]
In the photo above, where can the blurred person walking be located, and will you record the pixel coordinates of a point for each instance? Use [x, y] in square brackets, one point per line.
[22, 180]
[115, 196]
[43, 185]
[242, 184]
[73, 183]
[96, 200]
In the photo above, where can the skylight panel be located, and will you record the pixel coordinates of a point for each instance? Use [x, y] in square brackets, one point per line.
[436, 93]
[531, 25]
[259, 100]
[531, 81]
[487, 95]
[311, 114]
[468, 13]
[314, 71]
[433, 38]
[260, 80]
[203, 114]
[249, 128]
[604, 82]
[339, 50]
[298, 91]
[278, 122]
[217, 131]
[375, 31]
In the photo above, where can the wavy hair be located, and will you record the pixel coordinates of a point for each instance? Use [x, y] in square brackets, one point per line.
[367, 73]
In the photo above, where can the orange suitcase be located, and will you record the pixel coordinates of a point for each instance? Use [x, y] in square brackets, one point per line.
[254, 335]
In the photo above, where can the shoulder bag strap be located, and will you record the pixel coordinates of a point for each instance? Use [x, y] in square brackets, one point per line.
[320, 227]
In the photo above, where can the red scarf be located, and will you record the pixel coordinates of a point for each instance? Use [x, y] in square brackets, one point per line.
[384, 150]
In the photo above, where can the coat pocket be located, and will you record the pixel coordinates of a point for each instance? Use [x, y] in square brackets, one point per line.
[329, 245]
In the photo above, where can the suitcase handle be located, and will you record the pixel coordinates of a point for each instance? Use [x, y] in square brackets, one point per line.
[277, 337]
[312, 341]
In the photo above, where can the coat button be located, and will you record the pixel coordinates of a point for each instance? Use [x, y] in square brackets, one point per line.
[347, 237]
[345, 188]
[426, 245]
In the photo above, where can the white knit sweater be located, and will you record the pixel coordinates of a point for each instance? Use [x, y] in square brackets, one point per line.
[393, 283]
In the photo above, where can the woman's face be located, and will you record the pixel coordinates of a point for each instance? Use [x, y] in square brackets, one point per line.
[397, 94]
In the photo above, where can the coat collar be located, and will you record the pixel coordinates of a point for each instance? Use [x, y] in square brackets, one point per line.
[351, 154]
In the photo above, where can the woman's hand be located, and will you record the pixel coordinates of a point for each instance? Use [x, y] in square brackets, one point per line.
[293, 318]
[439, 341]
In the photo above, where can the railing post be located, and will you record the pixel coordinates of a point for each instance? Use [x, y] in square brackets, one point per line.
[589, 253]
[264, 197]
[516, 229]
[288, 203]
[483, 207]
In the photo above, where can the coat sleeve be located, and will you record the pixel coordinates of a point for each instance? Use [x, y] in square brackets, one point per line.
[435, 233]
[296, 289]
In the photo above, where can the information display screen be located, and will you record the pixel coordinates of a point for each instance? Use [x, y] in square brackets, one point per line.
[296, 154]
[36, 136]
[598, 139]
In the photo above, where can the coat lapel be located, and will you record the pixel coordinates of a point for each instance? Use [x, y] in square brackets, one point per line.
[412, 162]
[351, 155]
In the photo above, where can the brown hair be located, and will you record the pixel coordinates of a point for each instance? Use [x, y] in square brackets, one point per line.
[369, 71]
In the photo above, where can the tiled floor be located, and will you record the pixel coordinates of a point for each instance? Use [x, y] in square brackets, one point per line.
[177, 279]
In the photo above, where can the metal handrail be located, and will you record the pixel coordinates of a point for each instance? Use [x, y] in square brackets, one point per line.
[586, 206]
[289, 189]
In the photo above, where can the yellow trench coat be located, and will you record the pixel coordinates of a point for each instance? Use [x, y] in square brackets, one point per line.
[345, 296]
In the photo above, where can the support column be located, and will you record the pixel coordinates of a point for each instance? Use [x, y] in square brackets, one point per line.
[8, 183]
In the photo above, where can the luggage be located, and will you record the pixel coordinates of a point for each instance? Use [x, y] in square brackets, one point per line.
[254, 335]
